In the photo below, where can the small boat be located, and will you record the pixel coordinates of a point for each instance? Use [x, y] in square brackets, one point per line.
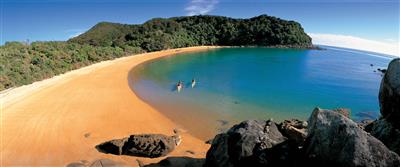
[179, 86]
[193, 83]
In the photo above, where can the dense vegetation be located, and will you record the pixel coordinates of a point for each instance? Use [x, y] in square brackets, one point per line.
[159, 34]
[25, 63]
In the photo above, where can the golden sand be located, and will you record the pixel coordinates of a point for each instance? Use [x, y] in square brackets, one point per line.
[60, 120]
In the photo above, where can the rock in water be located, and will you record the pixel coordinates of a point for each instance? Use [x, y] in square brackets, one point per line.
[144, 145]
[334, 140]
[239, 145]
[389, 93]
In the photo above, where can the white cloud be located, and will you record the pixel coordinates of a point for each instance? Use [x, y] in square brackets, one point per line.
[200, 7]
[75, 34]
[71, 33]
[346, 41]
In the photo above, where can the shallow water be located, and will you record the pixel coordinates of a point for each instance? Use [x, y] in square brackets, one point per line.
[234, 84]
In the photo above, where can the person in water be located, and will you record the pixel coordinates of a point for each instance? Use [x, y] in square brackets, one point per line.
[179, 86]
[193, 83]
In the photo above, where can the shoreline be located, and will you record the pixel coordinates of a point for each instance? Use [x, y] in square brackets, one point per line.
[58, 121]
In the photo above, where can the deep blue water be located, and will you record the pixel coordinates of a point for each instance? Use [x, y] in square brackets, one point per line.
[260, 83]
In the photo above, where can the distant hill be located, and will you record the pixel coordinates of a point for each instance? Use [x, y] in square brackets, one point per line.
[22, 63]
[160, 33]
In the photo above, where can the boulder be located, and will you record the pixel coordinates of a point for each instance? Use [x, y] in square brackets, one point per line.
[387, 128]
[389, 93]
[241, 145]
[385, 132]
[335, 140]
[143, 145]
[294, 130]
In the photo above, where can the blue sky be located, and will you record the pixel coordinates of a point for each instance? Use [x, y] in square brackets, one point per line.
[371, 20]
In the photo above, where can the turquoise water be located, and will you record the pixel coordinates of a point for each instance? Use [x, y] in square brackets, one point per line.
[259, 83]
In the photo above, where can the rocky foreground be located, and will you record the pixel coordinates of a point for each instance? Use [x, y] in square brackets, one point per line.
[328, 138]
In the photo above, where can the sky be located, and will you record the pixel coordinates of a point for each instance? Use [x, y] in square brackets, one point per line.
[371, 25]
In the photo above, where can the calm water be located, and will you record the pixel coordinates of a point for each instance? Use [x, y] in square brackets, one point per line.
[259, 83]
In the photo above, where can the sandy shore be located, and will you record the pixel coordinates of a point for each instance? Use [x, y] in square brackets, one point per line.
[60, 120]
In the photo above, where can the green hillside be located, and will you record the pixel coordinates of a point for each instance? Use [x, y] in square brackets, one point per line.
[159, 34]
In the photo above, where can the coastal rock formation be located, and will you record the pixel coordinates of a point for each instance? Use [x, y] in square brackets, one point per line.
[329, 138]
[389, 93]
[335, 140]
[145, 145]
[294, 130]
[241, 145]
[387, 128]
[385, 132]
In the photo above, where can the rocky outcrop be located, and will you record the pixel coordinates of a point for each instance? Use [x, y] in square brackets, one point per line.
[329, 138]
[145, 145]
[389, 93]
[244, 144]
[385, 132]
[335, 140]
[387, 128]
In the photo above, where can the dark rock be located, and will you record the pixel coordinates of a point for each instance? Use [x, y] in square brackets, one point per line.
[238, 146]
[113, 146]
[294, 130]
[343, 111]
[287, 153]
[335, 140]
[382, 70]
[178, 162]
[387, 128]
[145, 145]
[218, 154]
[389, 93]
[385, 132]
[364, 123]
[209, 141]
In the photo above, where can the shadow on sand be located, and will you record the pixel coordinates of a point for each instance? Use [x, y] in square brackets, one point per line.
[178, 162]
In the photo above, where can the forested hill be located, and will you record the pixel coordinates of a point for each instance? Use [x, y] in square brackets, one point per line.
[159, 34]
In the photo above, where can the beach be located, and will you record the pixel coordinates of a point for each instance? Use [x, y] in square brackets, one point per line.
[60, 120]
